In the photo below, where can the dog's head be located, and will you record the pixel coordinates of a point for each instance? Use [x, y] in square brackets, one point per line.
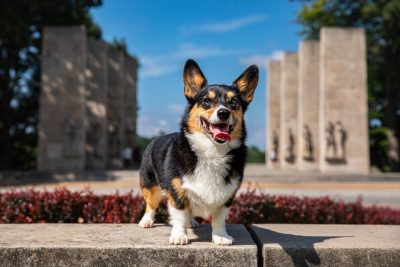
[217, 110]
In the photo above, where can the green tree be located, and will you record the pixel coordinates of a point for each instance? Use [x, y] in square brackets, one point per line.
[381, 21]
[21, 25]
[119, 44]
[254, 155]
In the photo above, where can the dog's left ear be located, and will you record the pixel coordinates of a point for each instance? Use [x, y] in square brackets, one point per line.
[247, 83]
[193, 79]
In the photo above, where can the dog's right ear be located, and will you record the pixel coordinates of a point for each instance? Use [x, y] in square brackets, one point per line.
[193, 79]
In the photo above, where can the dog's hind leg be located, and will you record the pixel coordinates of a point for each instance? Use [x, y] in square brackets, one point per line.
[152, 196]
[193, 223]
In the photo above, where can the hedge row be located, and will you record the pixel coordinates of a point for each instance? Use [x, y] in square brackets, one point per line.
[248, 207]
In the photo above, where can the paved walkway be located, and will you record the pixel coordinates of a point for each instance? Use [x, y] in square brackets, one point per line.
[379, 189]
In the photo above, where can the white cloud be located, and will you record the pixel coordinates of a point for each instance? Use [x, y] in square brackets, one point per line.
[151, 125]
[191, 50]
[225, 26]
[177, 109]
[152, 67]
[261, 60]
[276, 55]
[157, 65]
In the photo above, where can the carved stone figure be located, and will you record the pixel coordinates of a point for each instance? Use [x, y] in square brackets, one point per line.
[290, 147]
[275, 147]
[341, 137]
[71, 143]
[336, 138]
[308, 144]
[331, 146]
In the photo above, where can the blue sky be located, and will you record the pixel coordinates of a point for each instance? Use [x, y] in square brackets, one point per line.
[224, 37]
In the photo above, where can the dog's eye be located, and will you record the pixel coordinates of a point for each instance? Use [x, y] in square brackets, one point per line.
[207, 102]
[233, 103]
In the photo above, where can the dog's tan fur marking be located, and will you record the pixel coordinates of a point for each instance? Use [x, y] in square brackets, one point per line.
[230, 95]
[177, 185]
[238, 118]
[152, 196]
[212, 94]
[193, 82]
[194, 118]
[246, 86]
[238, 130]
[171, 200]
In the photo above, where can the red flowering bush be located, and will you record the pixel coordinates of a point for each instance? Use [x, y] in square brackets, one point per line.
[248, 207]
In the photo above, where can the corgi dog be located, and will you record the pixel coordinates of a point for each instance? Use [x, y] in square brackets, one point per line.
[200, 168]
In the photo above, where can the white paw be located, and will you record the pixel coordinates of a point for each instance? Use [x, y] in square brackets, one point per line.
[146, 223]
[222, 239]
[193, 223]
[178, 239]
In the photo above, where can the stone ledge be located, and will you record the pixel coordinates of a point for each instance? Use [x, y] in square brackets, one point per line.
[129, 245]
[119, 245]
[328, 245]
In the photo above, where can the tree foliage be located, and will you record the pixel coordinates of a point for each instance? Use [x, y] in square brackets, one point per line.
[381, 21]
[254, 155]
[21, 25]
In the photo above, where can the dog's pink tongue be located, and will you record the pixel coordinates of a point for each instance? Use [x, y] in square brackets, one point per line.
[220, 131]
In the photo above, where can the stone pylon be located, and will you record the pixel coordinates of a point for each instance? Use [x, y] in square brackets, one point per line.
[96, 110]
[308, 106]
[273, 113]
[288, 156]
[343, 101]
[62, 100]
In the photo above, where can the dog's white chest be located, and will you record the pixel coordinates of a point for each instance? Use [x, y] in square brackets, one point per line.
[206, 187]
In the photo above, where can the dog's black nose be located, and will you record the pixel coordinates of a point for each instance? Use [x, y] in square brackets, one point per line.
[223, 114]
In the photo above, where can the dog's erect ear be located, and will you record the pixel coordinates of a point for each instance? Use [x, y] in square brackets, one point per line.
[247, 83]
[193, 79]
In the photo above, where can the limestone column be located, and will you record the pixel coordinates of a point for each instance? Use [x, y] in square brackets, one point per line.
[96, 110]
[115, 107]
[62, 99]
[343, 104]
[273, 113]
[130, 103]
[289, 101]
[308, 106]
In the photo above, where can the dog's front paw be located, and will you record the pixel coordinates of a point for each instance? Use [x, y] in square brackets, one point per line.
[178, 239]
[222, 239]
[146, 223]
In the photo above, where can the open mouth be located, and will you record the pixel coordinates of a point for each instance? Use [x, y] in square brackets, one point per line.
[220, 132]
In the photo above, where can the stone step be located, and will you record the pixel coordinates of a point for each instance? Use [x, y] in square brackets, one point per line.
[119, 245]
[328, 245]
[129, 245]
